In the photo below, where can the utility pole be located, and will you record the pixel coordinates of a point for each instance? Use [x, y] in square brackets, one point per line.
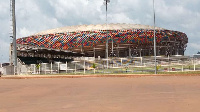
[14, 53]
[154, 17]
[106, 3]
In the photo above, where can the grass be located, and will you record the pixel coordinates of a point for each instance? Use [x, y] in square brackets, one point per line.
[130, 73]
[137, 70]
[185, 72]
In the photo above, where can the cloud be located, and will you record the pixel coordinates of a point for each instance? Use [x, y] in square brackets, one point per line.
[195, 45]
[77, 12]
[32, 18]
[121, 18]
[4, 51]
[37, 15]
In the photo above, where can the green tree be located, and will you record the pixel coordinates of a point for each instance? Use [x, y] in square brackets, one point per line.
[94, 66]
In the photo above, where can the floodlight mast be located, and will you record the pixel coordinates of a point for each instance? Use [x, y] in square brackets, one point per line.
[14, 36]
[154, 17]
[106, 3]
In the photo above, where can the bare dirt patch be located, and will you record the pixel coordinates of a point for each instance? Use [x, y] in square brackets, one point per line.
[101, 94]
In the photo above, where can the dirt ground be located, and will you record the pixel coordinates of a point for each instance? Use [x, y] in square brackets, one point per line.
[101, 94]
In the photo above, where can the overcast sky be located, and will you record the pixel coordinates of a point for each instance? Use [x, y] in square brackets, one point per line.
[37, 15]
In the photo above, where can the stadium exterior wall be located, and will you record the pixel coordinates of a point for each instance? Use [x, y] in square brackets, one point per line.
[128, 40]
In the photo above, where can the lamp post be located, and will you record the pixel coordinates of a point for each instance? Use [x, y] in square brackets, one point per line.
[14, 36]
[106, 3]
[154, 17]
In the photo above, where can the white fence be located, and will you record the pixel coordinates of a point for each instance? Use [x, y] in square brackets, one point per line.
[116, 65]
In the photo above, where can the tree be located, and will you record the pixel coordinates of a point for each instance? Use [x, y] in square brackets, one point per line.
[94, 66]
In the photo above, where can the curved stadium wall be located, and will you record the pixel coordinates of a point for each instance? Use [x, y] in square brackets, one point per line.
[90, 40]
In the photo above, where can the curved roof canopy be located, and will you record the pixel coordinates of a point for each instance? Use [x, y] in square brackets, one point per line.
[118, 26]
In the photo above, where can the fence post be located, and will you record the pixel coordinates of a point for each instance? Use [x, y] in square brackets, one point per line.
[194, 65]
[84, 66]
[34, 71]
[51, 68]
[168, 63]
[75, 68]
[182, 65]
[45, 68]
[39, 68]
[66, 67]
[58, 67]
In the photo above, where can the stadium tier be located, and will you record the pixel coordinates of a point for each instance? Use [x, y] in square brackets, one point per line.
[124, 40]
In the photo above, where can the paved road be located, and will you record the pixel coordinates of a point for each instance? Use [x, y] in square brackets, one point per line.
[106, 94]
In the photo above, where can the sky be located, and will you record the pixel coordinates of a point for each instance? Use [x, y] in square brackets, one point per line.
[33, 16]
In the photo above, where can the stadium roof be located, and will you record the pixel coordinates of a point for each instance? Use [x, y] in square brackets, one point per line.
[118, 26]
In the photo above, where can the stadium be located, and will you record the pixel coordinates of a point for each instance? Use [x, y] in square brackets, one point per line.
[124, 40]
[99, 42]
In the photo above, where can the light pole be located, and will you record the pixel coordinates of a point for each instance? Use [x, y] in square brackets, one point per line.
[106, 3]
[14, 36]
[154, 17]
